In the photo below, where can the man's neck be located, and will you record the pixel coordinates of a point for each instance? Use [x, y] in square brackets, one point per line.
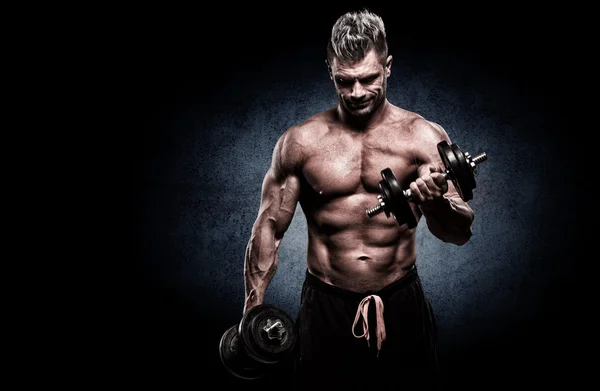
[365, 122]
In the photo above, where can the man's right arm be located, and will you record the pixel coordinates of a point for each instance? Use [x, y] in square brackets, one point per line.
[279, 197]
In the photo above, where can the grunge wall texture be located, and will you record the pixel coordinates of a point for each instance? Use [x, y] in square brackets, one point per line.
[210, 109]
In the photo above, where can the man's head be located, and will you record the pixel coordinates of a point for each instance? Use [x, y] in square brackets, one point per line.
[358, 61]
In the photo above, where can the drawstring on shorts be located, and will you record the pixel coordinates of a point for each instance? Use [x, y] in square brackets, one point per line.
[363, 310]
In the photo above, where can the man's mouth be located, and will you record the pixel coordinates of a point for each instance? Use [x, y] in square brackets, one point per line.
[358, 105]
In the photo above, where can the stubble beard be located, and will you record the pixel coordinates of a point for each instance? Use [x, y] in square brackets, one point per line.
[369, 109]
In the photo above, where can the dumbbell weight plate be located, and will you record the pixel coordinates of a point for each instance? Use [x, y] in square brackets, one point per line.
[259, 345]
[464, 172]
[235, 359]
[396, 202]
[453, 164]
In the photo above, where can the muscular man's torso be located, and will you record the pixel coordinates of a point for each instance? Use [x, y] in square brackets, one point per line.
[340, 171]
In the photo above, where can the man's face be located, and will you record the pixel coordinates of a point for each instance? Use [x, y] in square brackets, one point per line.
[360, 86]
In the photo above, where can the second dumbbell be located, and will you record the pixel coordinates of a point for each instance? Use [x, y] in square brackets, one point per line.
[265, 336]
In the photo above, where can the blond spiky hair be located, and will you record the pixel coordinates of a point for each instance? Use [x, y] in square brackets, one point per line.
[354, 34]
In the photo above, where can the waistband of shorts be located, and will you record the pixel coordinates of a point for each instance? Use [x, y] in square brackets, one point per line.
[313, 281]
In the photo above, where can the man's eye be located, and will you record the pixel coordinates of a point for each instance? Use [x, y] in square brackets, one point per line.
[343, 81]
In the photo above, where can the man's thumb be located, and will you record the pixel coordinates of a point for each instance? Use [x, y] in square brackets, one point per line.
[433, 168]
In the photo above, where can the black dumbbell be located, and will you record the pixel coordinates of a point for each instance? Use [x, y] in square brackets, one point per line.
[460, 169]
[265, 337]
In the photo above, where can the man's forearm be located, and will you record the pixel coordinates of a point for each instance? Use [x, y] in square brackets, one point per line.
[449, 219]
[259, 268]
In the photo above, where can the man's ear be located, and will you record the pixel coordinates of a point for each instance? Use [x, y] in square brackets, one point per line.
[388, 66]
[329, 69]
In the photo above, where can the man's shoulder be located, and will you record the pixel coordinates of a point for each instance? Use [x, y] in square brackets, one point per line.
[310, 129]
[299, 141]
[415, 124]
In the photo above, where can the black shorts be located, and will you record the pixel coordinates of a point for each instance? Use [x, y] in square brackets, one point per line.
[331, 357]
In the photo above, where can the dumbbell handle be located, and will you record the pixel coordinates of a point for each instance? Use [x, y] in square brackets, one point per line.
[447, 174]
[408, 194]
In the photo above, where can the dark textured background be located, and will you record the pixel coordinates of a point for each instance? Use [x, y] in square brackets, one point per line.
[212, 92]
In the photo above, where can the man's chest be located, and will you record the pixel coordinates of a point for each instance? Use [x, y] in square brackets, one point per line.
[339, 167]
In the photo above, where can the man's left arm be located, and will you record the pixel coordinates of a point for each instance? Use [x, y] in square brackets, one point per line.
[448, 216]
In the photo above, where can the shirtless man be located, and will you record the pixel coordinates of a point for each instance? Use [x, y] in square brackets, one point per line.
[364, 320]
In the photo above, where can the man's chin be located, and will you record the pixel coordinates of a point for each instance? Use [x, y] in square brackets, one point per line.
[359, 111]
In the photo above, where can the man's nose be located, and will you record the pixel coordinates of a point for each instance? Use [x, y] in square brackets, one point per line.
[358, 91]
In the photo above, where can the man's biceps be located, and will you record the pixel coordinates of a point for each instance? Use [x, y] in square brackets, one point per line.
[290, 193]
[271, 181]
[293, 183]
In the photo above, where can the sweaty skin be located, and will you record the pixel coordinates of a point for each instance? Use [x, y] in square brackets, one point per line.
[331, 166]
